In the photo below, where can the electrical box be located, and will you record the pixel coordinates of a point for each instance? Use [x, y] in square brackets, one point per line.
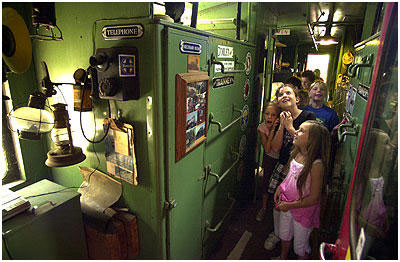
[117, 72]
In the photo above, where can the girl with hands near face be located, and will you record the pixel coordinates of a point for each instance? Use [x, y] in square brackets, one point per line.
[266, 130]
[298, 196]
[287, 120]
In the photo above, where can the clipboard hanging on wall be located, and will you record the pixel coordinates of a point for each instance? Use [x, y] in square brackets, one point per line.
[120, 151]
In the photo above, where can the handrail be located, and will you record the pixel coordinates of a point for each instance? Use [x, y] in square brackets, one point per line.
[351, 124]
[331, 248]
[219, 178]
[215, 62]
[353, 67]
[220, 129]
[208, 228]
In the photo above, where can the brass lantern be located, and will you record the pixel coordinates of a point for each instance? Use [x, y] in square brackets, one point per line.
[65, 154]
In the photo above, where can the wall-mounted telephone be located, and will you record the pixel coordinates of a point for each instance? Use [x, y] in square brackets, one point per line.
[117, 73]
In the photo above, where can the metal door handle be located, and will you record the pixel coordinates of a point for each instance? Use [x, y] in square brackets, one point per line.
[214, 229]
[212, 61]
[218, 177]
[331, 248]
[353, 127]
[352, 71]
[220, 129]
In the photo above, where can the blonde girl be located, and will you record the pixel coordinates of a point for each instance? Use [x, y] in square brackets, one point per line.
[266, 131]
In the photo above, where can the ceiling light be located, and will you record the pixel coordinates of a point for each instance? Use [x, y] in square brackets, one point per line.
[327, 39]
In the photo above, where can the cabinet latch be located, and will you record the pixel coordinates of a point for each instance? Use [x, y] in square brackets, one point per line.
[168, 205]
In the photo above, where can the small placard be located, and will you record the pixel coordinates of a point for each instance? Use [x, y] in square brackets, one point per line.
[246, 89]
[193, 63]
[363, 91]
[282, 32]
[225, 51]
[188, 47]
[248, 63]
[223, 81]
[245, 118]
[122, 32]
[127, 65]
[228, 66]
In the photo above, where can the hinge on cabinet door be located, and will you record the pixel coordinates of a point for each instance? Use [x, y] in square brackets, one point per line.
[168, 205]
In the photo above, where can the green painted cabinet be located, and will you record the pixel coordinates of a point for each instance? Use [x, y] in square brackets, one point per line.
[190, 198]
[360, 82]
[54, 231]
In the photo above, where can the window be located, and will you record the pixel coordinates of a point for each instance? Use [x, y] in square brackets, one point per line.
[321, 62]
[10, 164]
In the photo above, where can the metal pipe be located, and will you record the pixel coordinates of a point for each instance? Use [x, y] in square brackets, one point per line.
[208, 228]
[248, 21]
[219, 178]
[320, 24]
[213, 61]
[330, 19]
[238, 18]
[220, 129]
[216, 21]
[195, 11]
[312, 36]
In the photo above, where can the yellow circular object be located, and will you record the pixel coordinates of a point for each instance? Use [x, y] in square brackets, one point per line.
[348, 58]
[17, 47]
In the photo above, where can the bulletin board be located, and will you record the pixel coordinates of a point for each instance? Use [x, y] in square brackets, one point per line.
[191, 112]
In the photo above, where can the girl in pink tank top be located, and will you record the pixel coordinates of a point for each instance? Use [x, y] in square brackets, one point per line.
[300, 192]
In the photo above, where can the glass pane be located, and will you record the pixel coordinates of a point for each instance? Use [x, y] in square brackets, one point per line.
[376, 189]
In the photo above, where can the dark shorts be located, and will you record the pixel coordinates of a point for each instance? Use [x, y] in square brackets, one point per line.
[268, 166]
[277, 178]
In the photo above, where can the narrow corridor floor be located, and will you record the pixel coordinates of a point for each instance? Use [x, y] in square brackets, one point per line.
[244, 237]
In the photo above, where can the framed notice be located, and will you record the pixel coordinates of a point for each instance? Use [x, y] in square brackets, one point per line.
[191, 112]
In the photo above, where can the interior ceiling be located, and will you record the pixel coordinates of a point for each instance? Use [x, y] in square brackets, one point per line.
[296, 15]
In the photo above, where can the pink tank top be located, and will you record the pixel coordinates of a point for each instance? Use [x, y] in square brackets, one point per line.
[306, 216]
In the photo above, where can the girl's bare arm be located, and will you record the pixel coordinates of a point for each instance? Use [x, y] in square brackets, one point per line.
[317, 172]
[277, 141]
[264, 142]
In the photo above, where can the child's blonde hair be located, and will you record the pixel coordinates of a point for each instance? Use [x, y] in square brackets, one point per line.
[271, 103]
[320, 84]
[318, 147]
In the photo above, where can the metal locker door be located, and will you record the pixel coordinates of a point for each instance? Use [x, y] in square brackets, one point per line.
[183, 181]
[229, 118]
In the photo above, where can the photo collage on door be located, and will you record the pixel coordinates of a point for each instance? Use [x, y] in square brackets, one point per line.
[195, 113]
